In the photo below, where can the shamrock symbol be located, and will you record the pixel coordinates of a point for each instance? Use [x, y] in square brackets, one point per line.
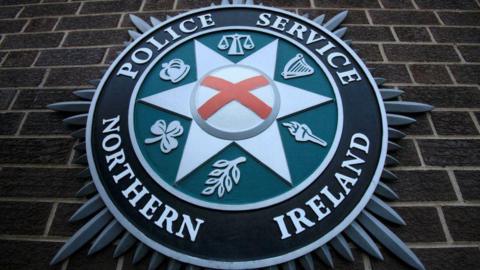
[165, 134]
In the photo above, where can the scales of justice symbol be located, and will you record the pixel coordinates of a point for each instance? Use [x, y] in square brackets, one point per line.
[238, 103]
[236, 43]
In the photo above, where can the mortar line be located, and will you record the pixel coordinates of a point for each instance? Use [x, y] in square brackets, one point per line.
[185, 9]
[414, 4]
[14, 99]
[435, 203]
[443, 222]
[354, 43]
[367, 264]
[65, 264]
[90, 86]
[383, 54]
[33, 238]
[456, 187]
[459, 54]
[27, 110]
[20, 126]
[17, 16]
[369, 18]
[36, 59]
[105, 46]
[4, 58]
[436, 85]
[50, 219]
[420, 156]
[57, 66]
[46, 200]
[80, 7]
[45, 77]
[394, 33]
[449, 71]
[438, 17]
[54, 29]
[475, 120]
[123, 17]
[28, 21]
[120, 263]
[42, 166]
[435, 168]
[142, 5]
[430, 121]
[19, 136]
[443, 137]
[120, 21]
[72, 155]
[430, 43]
[410, 74]
[105, 57]
[60, 44]
[380, 4]
[443, 245]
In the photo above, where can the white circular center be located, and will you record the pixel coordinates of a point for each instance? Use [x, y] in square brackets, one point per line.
[235, 102]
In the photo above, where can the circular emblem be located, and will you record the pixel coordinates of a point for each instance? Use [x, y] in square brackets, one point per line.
[236, 142]
[236, 113]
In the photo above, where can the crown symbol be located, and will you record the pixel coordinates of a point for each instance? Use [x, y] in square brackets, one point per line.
[174, 71]
[297, 67]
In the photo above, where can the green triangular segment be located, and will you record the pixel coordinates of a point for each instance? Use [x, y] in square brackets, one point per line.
[154, 85]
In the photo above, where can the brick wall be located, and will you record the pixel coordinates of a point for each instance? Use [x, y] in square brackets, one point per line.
[430, 49]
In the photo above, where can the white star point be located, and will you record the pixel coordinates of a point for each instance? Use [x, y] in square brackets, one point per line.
[267, 146]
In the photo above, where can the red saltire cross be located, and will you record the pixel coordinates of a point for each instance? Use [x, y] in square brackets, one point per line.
[235, 91]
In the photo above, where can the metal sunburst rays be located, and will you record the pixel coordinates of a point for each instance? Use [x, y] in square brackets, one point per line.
[365, 232]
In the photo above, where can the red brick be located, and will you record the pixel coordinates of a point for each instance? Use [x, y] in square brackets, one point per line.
[27, 255]
[21, 77]
[423, 186]
[44, 40]
[469, 183]
[450, 152]
[453, 123]
[24, 217]
[49, 10]
[412, 34]
[110, 6]
[463, 222]
[420, 53]
[406, 17]
[447, 4]
[10, 123]
[41, 25]
[20, 59]
[460, 18]
[99, 37]
[430, 74]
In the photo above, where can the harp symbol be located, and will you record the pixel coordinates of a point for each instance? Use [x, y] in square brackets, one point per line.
[297, 67]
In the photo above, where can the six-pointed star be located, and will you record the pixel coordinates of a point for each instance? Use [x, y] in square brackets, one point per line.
[266, 146]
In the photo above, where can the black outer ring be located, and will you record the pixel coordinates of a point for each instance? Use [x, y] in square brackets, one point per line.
[245, 235]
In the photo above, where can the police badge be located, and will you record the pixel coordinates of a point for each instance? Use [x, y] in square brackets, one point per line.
[238, 137]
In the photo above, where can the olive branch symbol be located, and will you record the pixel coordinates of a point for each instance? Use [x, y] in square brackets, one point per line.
[223, 177]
